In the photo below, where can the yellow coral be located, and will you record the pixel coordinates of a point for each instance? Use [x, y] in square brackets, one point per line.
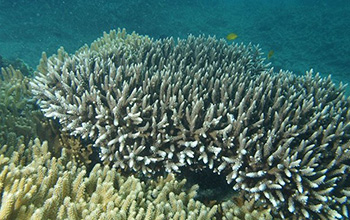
[44, 187]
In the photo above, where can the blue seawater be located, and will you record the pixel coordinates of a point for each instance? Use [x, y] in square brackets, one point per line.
[303, 34]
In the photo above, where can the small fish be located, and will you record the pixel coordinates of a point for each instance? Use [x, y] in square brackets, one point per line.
[231, 36]
[269, 55]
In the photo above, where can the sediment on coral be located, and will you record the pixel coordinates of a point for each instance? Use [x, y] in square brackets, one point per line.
[35, 185]
[154, 105]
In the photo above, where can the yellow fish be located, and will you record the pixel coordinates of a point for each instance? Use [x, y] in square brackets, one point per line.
[231, 36]
[269, 55]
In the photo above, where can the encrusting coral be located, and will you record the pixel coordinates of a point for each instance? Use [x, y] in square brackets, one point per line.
[35, 185]
[151, 105]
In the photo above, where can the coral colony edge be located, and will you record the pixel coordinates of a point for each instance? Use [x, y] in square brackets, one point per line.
[165, 106]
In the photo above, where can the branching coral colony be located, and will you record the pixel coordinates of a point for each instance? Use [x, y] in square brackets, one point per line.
[16, 111]
[199, 103]
[35, 185]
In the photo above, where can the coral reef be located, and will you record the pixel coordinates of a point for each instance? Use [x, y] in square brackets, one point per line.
[243, 210]
[76, 150]
[16, 64]
[290, 145]
[145, 103]
[160, 105]
[22, 121]
[35, 185]
[18, 112]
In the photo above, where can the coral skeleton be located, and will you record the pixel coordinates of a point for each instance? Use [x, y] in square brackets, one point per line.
[164, 105]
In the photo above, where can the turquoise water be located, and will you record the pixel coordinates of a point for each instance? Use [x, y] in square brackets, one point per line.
[299, 35]
[295, 35]
[302, 34]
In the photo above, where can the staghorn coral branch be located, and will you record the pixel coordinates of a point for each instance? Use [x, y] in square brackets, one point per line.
[160, 105]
